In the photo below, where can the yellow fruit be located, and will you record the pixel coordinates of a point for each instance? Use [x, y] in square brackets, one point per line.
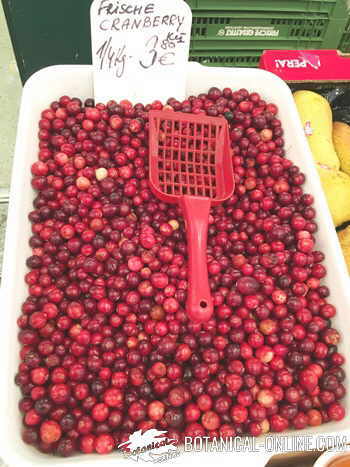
[341, 140]
[344, 239]
[336, 185]
[316, 117]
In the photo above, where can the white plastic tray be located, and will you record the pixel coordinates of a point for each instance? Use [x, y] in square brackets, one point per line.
[46, 86]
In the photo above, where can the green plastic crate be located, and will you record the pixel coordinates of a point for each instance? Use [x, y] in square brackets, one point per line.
[344, 45]
[253, 45]
[240, 58]
[235, 26]
[321, 6]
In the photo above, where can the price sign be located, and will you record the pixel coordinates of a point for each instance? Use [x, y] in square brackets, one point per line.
[140, 49]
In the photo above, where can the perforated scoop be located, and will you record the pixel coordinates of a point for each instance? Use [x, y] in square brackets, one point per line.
[191, 164]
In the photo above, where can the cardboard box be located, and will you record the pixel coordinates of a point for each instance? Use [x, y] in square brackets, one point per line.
[307, 66]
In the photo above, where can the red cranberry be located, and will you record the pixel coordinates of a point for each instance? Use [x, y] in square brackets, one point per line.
[308, 380]
[156, 410]
[194, 430]
[66, 447]
[60, 393]
[278, 423]
[336, 412]
[247, 285]
[210, 420]
[204, 402]
[50, 432]
[192, 413]
[300, 421]
[314, 417]
[104, 444]
[266, 398]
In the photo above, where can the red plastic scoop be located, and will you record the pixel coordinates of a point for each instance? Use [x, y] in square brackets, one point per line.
[191, 164]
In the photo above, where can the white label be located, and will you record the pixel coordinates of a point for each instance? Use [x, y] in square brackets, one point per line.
[247, 31]
[308, 129]
[140, 49]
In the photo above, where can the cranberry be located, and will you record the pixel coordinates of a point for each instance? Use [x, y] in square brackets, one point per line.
[266, 398]
[43, 406]
[156, 410]
[234, 382]
[32, 418]
[100, 412]
[60, 393]
[329, 382]
[210, 420]
[300, 421]
[192, 413]
[174, 418]
[336, 412]
[239, 414]
[194, 430]
[308, 380]
[314, 417]
[159, 280]
[137, 411]
[30, 436]
[50, 432]
[66, 447]
[204, 402]
[87, 444]
[268, 327]
[247, 285]
[278, 423]
[292, 395]
[104, 444]
[39, 375]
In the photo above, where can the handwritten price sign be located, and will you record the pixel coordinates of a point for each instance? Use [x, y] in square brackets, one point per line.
[140, 49]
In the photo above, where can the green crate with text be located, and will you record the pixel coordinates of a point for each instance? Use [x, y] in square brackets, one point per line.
[242, 58]
[332, 7]
[235, 26]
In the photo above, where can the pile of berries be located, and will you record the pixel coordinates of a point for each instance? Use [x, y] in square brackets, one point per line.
[107, 346]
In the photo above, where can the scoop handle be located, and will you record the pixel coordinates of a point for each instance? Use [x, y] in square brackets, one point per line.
[196, 213]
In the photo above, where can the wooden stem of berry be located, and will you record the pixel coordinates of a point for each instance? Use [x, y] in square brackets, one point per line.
[199, 301]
